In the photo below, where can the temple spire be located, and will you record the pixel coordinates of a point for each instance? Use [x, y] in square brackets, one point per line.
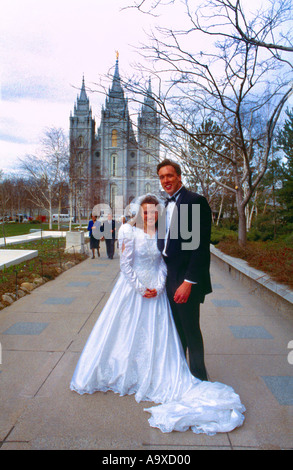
[83, 95]
[116, 73]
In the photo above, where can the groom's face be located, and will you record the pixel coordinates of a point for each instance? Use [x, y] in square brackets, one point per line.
[169, 179]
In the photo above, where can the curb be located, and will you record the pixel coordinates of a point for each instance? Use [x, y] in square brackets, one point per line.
[261, 284]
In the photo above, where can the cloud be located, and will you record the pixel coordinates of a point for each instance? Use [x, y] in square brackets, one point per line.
[35, 88]
[12, 138]
[23, 89]
[45, 48]
[22, 124]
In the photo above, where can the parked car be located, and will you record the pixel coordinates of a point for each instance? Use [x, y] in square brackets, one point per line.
[63, 218]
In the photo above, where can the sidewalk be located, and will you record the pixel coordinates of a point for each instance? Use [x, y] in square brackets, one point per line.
[42, 335]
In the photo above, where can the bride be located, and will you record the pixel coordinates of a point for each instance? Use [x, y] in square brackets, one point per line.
[134, 346]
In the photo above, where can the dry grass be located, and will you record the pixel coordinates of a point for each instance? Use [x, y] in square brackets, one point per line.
[273, 258]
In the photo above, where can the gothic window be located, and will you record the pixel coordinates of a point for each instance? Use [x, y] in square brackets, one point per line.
[149, 141]
[148, 172]
[132, 191]
[132, 154]
[80, 156]
[113, 194]
[114, 165]
[132, 172]
[148, 188]
[97, 154]
[114, 138]
[148, 158]
[80, 141]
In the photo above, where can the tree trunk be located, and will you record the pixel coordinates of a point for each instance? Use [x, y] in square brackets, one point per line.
[70, 210]
[50, 209]
[242, 226]
[59, 212]
[221, 208]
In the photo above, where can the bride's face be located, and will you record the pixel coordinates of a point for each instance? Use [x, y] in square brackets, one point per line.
[150, 214]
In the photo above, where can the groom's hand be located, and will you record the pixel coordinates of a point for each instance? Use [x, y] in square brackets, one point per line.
[182, 293]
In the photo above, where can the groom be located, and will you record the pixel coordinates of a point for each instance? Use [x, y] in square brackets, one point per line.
[188, 278]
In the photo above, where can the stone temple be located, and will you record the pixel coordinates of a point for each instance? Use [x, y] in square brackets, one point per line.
[118, 158]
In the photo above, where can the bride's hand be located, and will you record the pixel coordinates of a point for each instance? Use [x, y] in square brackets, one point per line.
[149, 293]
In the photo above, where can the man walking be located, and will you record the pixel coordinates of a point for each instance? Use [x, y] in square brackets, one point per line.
[109, 233]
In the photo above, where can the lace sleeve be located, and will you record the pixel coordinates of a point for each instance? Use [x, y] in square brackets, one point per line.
[162, 276]
[126, 248]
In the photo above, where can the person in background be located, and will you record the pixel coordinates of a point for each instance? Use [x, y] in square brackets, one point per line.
[109, 234]
[94, 242]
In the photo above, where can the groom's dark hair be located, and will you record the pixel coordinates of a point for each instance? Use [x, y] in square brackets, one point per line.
[168, 162]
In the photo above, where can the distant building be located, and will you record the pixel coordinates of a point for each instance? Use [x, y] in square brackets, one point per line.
[115, 160]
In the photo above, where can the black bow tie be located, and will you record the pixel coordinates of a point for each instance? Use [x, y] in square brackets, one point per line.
[170, 199]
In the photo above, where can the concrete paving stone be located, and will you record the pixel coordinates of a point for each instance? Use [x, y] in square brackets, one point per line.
[78, 284]
[75, 421]
[255, 332]
[59, 300]
[40, 302]
[22, 374]
[26, 328]
[246, 347]
[263, 411]
[91, 273]
[281, 388]
[80, 339]
[59, 333]
[100, 414]
[219, 338]
[226, 303]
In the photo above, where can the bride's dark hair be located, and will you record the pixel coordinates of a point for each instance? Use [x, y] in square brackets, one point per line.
[147, 199]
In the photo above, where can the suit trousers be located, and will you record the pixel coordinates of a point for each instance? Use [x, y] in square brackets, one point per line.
[187, 321]
[110, 247]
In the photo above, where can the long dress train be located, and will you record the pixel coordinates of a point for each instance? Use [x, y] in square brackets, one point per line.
[134, 348]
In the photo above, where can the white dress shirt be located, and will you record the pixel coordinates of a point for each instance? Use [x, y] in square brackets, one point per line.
[169, 213]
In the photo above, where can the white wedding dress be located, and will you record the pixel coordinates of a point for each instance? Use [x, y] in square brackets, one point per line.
[134, 348]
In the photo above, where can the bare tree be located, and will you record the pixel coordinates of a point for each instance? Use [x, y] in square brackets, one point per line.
[55, 147]
[5, 196]
[80, 182]
[263, 28]
[48, 170]
[242, 82]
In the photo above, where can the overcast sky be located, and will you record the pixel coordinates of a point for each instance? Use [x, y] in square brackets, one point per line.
[46, 47]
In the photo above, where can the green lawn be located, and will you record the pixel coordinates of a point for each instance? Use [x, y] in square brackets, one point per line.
[14, 229]
[49, 263]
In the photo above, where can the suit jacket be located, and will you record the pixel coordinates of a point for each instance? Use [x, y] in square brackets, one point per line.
[106, 229]
[192, 263]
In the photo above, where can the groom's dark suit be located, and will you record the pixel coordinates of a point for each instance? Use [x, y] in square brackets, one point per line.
[192, 265]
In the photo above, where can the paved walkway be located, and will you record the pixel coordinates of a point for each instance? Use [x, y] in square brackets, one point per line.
[41, 338]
